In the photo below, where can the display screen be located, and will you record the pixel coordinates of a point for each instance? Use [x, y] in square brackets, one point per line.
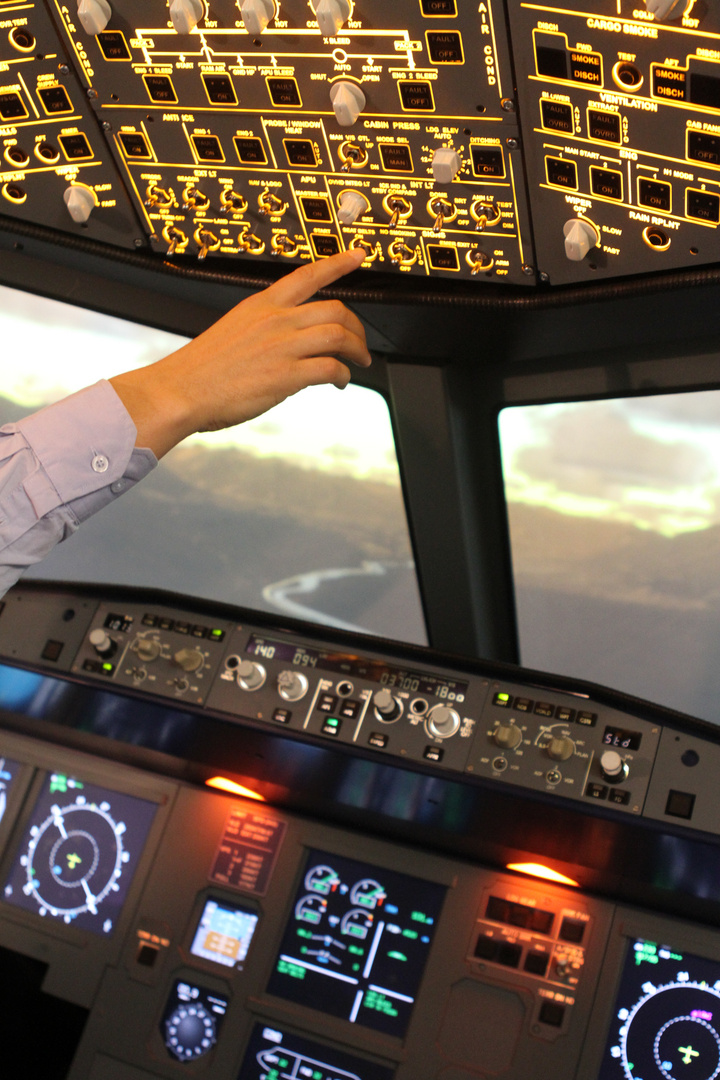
[224, 932]
[359, 666]
[8, 771]
[620, 737]
[357, 942]
[79, 853]
[276, 1054]
[666, 1020]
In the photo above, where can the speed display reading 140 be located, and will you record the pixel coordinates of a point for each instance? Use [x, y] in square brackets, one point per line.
[357, 942]
[79, 853]
[666, 1023]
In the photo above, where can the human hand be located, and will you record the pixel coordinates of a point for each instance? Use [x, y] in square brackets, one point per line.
[268, 347]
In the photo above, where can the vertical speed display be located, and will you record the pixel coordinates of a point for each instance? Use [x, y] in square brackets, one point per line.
[357, 942]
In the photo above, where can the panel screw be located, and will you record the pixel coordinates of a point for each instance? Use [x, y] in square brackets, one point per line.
[507, 105]
[106, 125]
[64, 69]
[528, 270]
[139, 243]
[543, 277]
[92, 94]
[512, 144]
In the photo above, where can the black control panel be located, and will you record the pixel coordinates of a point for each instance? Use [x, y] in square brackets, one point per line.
[495, 142]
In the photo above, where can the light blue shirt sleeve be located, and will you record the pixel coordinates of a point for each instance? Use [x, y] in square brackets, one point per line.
[60, 466]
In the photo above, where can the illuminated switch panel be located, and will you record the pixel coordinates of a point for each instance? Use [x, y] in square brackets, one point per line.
[245, 137]
[621, 129]
[54, 166]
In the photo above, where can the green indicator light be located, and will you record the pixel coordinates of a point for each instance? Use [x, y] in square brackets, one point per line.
[503, 697]
[396, 956]
[356, 950]
[332, 721]
[216, 633]
[58, 782]
[410, 933]
[356, 967]
[107, 667]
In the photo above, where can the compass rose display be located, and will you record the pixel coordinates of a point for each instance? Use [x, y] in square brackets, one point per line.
[79, 853]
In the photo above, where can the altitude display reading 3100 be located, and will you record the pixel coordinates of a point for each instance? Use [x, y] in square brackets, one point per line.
[357, 942]
[667, 1017]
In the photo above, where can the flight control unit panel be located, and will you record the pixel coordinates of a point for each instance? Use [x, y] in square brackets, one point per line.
[458, 139]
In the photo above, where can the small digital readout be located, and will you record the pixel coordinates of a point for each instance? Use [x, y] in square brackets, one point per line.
[79, 853]
[224, 932]
[357, 942]
[359, 667]
[666, 1017]
[621, 738]
[274, 1053]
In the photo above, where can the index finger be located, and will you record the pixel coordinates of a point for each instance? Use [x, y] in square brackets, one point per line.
[304, 282]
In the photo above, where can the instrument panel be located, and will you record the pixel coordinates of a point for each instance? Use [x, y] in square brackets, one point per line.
[519, 144]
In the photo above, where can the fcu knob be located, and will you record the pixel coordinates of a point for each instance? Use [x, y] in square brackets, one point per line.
[580, 237]
[331, 15]
[508, 736]
[94, 15]
[256, 14]
[446, 164]
[387, 708]
[80, 202]
[560, 748]
[348, 101]
[613, 767]
[147, 649]
[102, 643]
[292, 685]
[188, 659]
[442, 722]
[250, 676]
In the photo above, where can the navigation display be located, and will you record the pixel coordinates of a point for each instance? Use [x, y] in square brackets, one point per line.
[224, 932]
[274, 1053]
[666, 1022]
[357, 942]
[79, 853]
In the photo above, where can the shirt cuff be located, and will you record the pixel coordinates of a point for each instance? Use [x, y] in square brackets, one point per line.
[85, 442]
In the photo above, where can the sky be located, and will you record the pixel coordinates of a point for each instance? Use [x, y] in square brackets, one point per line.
[64, 348]
[652, 462]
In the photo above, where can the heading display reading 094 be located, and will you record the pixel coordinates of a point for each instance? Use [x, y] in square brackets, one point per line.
[357, 942]
[359, 667]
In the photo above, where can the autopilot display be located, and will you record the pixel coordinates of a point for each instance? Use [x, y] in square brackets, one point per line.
[79, 853]
[357, 942]
[666, 1022]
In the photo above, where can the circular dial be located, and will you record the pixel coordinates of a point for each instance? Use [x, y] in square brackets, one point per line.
[189, 1031]
[102, 643]
[74, 859]
[560, 748]
[613, 767]
[188, 659]
[147, 649]
[250, 676]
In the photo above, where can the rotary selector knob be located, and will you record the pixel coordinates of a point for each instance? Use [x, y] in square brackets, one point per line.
[446, 164]
[94, 15]
[348, 101]
[442, 722]
[613, 767]
[102, 643]
[507, 735]
[580, 237]
[560, 748]
[188, 659]
[147, 649]
[256, 14]
[80, 202]
[292, 685]
[250, 676]
[331, 15]
[185, 15]
[352, 205]
[387, 708]
[666, 9]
